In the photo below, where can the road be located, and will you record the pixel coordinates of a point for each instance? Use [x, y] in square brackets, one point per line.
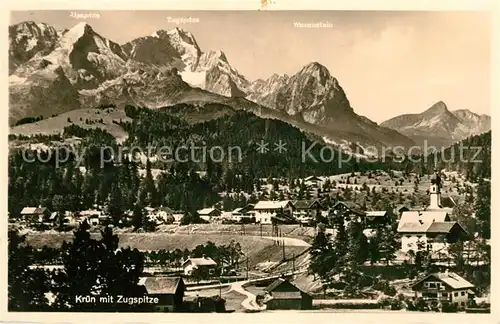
[250, 302]
[289, 241]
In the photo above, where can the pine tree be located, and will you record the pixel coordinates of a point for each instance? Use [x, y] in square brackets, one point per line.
[138, 216]
[26, 287]
[388, 243]
[350, 272]
[483, 208]
[116, 208]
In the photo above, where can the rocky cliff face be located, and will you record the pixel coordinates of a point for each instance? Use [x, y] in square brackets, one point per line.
[28, 39]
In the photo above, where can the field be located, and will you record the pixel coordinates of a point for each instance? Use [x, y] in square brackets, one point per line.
[382, 180]
[55, 125]
[296, 231]
[257, 249]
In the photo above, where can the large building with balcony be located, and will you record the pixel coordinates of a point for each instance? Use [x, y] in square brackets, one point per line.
[444, 287]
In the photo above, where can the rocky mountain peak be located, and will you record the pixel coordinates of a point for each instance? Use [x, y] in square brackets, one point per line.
[28, 38]
[437, 108]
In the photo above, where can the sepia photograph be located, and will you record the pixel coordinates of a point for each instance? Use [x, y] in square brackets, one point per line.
[249, 161]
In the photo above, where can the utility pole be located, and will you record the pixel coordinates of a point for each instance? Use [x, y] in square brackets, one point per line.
[283, 244]
[260, 229]
[220, 287]
[247, 268]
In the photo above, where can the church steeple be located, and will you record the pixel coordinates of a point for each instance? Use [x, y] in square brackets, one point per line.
[435, 191]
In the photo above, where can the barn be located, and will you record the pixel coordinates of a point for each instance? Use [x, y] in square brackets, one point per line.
[169, 290]
[282, 294]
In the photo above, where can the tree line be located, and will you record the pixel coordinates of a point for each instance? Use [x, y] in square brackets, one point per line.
[93, 267]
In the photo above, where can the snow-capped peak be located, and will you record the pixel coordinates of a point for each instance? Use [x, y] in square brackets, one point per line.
[186, 46]
[75, 33]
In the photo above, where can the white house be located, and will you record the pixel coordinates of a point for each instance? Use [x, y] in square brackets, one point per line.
[266, 209]
[444, 286]
[177, 214]
[159, 215]
[313, 181]
[246, 212]
[93, 216]
[306, 210]
[209, 214]
[194, 263]
[34, 214]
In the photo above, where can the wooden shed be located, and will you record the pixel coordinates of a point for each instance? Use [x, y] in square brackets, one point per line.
[282, 294]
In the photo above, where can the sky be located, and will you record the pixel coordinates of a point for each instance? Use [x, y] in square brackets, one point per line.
[388, 63]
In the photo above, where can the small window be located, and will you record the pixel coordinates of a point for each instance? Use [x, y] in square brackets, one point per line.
[445, 294]
[463, 293]
[455, 294]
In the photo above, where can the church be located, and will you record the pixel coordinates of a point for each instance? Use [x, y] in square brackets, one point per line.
[430, 228]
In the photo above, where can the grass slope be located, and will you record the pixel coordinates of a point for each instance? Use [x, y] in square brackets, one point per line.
[55, 125]
[256, 248]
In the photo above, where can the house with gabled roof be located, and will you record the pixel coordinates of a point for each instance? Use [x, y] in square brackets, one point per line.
[444, 287]
[305, 211]
[35, 214]
[169, 291]
[265, 210]
[348, 211]
[313, 181]
[209, 214]
[376, 217]
[282, 294]
[247, 212]
[205, 263]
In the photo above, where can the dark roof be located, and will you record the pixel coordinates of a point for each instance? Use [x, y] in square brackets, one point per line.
[278, 282]
[160, 285]
[352, 206]
[398, 207]
[286, 295]
[304, 204]
[274, 284]
[443, 227]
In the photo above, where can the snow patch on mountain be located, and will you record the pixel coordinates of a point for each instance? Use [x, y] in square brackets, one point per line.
[194, 78]
[16, 80]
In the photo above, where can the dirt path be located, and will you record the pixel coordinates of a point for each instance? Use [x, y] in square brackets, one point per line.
[250, 302]
[288, 241]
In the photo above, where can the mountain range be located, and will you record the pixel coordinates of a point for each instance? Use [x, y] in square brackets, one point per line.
[55, 71]
[439, 126]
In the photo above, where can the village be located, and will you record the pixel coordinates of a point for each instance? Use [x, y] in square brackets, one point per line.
[194, 281]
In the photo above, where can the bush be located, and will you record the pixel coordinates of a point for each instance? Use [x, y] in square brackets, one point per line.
[418, 304]
[392, 303]
[385, 287]
[449, 307]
